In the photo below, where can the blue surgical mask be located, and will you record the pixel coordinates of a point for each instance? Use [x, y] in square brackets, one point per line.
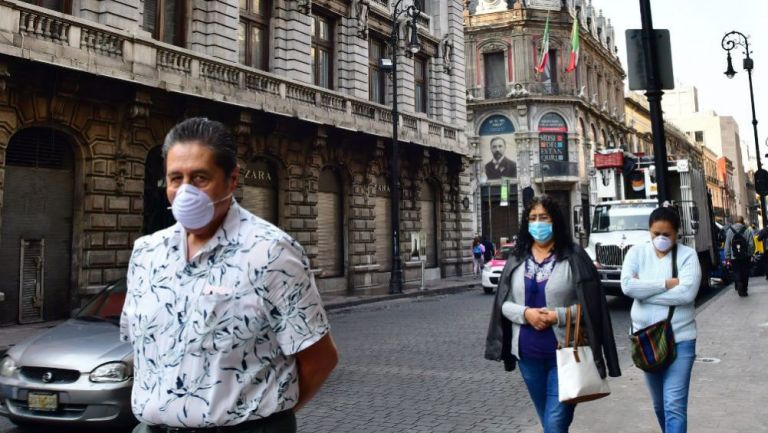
[540, 231]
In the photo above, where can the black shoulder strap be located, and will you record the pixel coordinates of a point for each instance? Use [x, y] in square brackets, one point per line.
[674, 275]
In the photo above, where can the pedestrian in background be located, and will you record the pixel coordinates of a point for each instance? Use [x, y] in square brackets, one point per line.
[547, 275]
[762, 236]
[227, 326]
[646, 277]
[739, 248]
[478, 249]
[490, 249]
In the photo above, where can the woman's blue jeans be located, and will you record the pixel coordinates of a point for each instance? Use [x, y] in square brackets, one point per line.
[669, 389]
[540, 377]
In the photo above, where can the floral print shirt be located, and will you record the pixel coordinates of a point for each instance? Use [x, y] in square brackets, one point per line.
[214, 338]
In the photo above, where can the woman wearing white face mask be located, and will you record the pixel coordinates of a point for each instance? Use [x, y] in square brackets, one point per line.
[647, 277]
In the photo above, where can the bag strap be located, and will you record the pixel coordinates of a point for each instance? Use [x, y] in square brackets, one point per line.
[568, 319]
[577, 338]
[674, 275]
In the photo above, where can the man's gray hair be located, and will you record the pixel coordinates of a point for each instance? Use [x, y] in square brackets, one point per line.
[209, 133]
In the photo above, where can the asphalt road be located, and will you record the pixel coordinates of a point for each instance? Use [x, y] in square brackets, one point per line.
[416, 365]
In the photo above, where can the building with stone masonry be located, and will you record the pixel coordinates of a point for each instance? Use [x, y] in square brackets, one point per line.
[88, 90]
[537, 131]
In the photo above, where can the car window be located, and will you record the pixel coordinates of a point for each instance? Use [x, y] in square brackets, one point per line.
[107, 305]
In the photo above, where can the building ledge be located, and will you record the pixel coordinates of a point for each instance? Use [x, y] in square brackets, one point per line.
[45, 36]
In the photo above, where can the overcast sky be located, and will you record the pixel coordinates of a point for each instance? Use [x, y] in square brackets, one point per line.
[696, 29]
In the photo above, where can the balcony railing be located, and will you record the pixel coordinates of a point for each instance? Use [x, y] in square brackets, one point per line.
[147, 62]
[556, 169]
[517, 90]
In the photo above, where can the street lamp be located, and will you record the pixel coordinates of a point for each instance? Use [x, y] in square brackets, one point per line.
[730, 41]
[410, 12]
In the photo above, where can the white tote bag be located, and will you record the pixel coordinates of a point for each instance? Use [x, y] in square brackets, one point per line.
[577, 377]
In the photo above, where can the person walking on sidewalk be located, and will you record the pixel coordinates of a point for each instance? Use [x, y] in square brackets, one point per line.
[478, 250]
[762, 237]
[227, 326]
[739, 247]
[490, 249]
[646, 276]
[547, 275]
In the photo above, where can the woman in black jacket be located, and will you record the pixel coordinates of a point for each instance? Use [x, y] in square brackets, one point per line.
[548, 275]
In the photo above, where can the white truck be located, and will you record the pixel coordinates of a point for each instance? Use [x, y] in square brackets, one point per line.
[623, 204]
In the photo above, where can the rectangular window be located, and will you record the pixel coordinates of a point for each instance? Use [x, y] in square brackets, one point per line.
[421, 84]
[164, 19]
[322, 51]
[377, 79]
[699, 136]
[64, 6]
[253, 33]
[495, 75]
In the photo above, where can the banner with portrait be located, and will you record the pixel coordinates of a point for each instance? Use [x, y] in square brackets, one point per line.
[498, 150]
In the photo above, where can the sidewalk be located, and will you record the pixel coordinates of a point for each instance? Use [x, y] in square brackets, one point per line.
[10, 335]
[729, 387]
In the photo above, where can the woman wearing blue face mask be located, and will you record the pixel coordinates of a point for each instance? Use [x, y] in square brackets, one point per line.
[548, 275]
[646, 276]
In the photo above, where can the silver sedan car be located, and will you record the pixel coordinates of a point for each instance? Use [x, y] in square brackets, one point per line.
[76, 373]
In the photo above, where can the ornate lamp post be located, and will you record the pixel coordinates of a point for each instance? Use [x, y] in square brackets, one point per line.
[730, 41]
[410, 12]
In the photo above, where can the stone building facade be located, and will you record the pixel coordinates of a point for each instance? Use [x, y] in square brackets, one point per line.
[88, 90]
[546, 124]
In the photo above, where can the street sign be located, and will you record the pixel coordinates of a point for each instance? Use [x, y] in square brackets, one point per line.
[761, 182]
[638, 78]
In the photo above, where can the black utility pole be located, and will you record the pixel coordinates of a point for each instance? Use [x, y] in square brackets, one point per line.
[654, 94]
[730, 41]
[411, 11]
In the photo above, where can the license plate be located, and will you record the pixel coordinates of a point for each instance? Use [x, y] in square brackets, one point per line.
[43, 401]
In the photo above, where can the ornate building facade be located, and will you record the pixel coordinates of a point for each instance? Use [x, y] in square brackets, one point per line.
[535, 132]
[88, 89]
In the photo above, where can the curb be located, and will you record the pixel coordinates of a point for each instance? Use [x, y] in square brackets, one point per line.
[458, 288]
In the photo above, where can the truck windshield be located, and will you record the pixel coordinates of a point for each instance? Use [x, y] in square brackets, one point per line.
[611, 218]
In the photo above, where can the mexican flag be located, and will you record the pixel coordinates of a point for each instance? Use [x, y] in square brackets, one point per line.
[544, 55]
[574, 61]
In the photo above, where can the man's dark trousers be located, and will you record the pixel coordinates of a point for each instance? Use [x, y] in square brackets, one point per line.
[741, 275]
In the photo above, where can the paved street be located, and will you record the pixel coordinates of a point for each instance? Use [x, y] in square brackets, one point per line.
[416, 365]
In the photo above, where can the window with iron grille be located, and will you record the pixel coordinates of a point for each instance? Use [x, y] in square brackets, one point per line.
[253, 33]
[322, 51]
[165, 20]
[421, 83]
[377, 79]
[64, 6]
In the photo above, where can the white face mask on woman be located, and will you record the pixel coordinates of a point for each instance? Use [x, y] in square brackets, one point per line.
[662, 243]
[192, 207]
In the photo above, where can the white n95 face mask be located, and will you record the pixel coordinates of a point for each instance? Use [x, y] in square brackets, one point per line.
[192, 208]
[662, 243]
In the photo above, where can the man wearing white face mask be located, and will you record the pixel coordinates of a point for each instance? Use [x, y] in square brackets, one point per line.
[647, 277]
[224, 316]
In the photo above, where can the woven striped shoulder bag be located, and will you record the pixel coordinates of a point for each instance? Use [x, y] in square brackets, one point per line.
[653, 347]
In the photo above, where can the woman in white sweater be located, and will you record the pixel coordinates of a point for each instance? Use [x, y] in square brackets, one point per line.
[646, 276]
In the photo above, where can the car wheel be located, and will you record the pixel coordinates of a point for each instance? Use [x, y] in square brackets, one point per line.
[488, 290]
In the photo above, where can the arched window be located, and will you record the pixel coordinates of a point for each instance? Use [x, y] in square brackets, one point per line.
[330, 224]
[429, 222]
[260, 189]
[36, 229]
